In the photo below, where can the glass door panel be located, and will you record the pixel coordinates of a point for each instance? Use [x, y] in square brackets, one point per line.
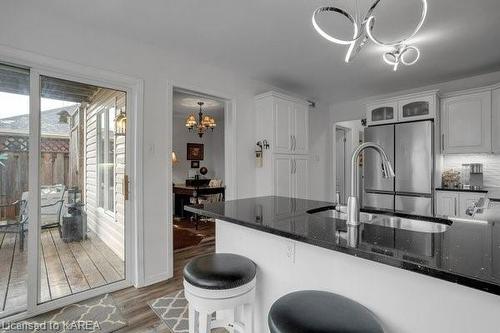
[14, 161]
[82, 168]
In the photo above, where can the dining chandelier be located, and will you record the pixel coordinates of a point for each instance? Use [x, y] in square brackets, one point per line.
[203, 124]
[400, 52]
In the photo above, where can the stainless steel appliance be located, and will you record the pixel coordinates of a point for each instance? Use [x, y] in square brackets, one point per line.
[410, 148]
[476, 176]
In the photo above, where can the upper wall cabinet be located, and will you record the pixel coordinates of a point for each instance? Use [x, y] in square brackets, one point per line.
[284, 122]
[382, 113]
[466, 123]
[403, 108]
[495, 125]
[417, 108]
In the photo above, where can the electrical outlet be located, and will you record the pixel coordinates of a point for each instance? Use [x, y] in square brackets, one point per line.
[290, 251]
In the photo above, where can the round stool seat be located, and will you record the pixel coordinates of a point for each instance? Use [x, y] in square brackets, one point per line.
[317, 311]
[219, 271]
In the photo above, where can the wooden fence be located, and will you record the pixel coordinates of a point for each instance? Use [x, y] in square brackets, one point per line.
[54, 167]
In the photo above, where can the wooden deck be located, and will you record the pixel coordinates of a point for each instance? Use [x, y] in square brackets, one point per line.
[66, 268]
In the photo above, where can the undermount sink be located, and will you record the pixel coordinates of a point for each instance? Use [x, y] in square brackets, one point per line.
[419, 224]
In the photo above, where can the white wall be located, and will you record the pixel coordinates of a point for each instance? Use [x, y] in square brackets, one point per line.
[352, 110]
[213, 150]
[48, 34]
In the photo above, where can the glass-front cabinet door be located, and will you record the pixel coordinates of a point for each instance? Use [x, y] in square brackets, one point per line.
[417, 108]
[383, 113]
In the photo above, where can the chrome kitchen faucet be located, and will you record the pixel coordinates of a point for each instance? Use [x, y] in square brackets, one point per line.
[353, 201]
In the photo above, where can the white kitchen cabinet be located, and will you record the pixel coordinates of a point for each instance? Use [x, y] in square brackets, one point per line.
[410, 107]
[283, 121]
[300, 133]
[289, 133]
[495, 125]
[455, 203]
[291, 176]
[466, 123]
[446, 203]
[283, 170]
[384, 112]
[283, 117]
[417, 107]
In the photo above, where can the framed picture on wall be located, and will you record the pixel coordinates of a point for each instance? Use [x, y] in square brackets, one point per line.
[195, 151]
[195, 164]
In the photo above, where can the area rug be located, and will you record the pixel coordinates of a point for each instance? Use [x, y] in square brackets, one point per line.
[184, 238]
[173, 312]
[99, 315]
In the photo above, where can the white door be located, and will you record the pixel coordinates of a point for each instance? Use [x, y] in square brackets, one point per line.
[447, 203]
[495, 110]
[467, 200]
[466, 124]
[301, 130]
[283, 126]
[301, 177]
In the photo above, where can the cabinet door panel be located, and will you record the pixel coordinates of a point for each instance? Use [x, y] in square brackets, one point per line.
[282, 126]
[383, 113]
[417, 108]
[301, 178]
[301, 129]
[495, 109]
[447, 203]
[467, 123]
[283, 183]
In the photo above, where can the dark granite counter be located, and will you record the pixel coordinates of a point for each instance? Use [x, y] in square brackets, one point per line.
[468, 253]
[460, 190]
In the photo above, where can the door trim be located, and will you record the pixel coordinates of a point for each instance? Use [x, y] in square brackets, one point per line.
[230, 158]
[134, 252]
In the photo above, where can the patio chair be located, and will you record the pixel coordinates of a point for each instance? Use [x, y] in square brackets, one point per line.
[51, 209]
[17, 224]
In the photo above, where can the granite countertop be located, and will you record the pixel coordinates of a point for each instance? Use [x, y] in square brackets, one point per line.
[468, 253]
[460, 190]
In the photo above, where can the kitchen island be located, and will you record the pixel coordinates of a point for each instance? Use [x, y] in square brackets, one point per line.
[413, 281]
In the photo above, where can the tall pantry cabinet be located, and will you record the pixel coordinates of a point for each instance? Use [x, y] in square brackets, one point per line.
[283, 121]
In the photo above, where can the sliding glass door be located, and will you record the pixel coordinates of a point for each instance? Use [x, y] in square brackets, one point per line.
[82, 164]
[14, 185]
[63, 189]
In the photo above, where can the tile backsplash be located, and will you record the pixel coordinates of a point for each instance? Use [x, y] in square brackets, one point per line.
[491, 165]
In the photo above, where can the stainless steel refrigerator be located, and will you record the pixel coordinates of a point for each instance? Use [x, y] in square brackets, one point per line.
[410, 147]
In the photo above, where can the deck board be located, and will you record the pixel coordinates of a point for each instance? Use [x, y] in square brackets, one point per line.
[92, 274]
[74, 274]
[59, 285]
[16, 294]
[65, 268]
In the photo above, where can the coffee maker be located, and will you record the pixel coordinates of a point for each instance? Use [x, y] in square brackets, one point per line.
[476, 176]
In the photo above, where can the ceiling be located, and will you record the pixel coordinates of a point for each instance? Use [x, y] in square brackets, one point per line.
[274, 41]
[186, 103]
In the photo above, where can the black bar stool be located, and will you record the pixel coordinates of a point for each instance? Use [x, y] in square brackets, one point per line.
[223, 283]
[320, 312]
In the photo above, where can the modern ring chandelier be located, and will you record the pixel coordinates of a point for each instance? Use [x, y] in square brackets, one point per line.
[399, 53]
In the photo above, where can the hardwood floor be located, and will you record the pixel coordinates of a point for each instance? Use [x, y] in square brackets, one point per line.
[133, 302]
[66, 268]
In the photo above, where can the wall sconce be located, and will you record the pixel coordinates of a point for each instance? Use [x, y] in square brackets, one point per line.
[174, 157]
[121, 123]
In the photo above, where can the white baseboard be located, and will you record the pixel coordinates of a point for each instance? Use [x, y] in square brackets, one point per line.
[163, 276]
